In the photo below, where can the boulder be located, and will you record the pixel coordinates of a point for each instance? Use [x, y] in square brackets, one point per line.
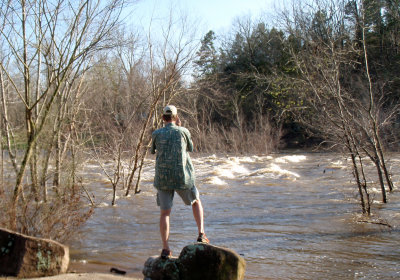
[24, 256]
[197, 261]
[157, 268]
[204, 261]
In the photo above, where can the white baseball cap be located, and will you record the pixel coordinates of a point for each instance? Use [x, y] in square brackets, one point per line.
[170, 110]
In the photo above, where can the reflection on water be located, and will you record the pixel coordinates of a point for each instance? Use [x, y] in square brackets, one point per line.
[290, 216]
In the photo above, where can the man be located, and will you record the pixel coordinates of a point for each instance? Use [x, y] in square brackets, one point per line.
[174, 173]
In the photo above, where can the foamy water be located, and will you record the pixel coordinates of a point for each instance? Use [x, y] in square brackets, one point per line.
[292, 216]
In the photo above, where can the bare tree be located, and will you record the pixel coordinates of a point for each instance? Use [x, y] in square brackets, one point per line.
[169, 61]
[141, 76]
[47, 47]
[346, 109]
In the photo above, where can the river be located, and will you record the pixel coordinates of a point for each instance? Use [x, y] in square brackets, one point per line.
[291, 215]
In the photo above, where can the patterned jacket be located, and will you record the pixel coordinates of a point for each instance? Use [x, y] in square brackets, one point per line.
[174, 168]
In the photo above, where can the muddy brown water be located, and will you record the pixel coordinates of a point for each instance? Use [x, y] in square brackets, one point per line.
[290, 215]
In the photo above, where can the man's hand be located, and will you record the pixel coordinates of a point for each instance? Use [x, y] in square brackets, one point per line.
[178, 121]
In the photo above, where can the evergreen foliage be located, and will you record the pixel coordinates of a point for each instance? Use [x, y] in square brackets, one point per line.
[253, 76]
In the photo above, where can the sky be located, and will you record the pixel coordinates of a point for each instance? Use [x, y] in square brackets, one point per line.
[216, 15]
[206, 15]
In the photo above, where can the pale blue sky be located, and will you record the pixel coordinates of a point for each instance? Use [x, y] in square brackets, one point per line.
[217, 15]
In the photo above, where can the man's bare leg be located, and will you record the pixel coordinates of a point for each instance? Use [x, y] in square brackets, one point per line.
[164, 227]
[197, 208]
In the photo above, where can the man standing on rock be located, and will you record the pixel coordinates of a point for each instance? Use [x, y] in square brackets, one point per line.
[175, 173]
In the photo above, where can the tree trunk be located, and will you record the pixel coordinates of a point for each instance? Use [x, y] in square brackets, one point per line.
[34, 174]
[18, 189]
[137, 190]
[383, 164]
[56, 178]
[380, 176]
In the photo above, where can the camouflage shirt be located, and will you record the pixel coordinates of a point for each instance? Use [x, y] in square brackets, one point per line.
[174, 168]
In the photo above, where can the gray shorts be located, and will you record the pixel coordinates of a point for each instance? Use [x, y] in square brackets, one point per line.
[165, 198]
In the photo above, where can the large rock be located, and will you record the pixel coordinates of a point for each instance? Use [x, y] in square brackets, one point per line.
[197, 261]
[202, 261]
[24, 257]
[157, 268]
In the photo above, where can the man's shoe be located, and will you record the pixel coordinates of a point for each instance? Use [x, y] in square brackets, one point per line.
[166, 254]
[203, 238]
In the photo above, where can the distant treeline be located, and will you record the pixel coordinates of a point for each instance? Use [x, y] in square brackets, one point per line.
[287, 77]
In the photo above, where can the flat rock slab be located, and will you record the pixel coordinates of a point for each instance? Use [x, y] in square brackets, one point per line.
[27, 257]
[198, 261]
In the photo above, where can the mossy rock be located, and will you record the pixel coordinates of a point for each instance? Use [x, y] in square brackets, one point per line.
[25, 256]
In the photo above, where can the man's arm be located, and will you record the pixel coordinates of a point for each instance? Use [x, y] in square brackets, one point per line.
[178, 121]
[153, 144]
[189, 141]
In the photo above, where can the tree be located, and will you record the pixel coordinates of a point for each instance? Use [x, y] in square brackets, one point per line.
[207, 56]
[242, 95]
[168, 62]
[343, 102]
[46, 49]
[131, 86]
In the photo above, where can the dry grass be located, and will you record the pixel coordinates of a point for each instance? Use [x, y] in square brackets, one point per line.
[236, 140]
[57, 218]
